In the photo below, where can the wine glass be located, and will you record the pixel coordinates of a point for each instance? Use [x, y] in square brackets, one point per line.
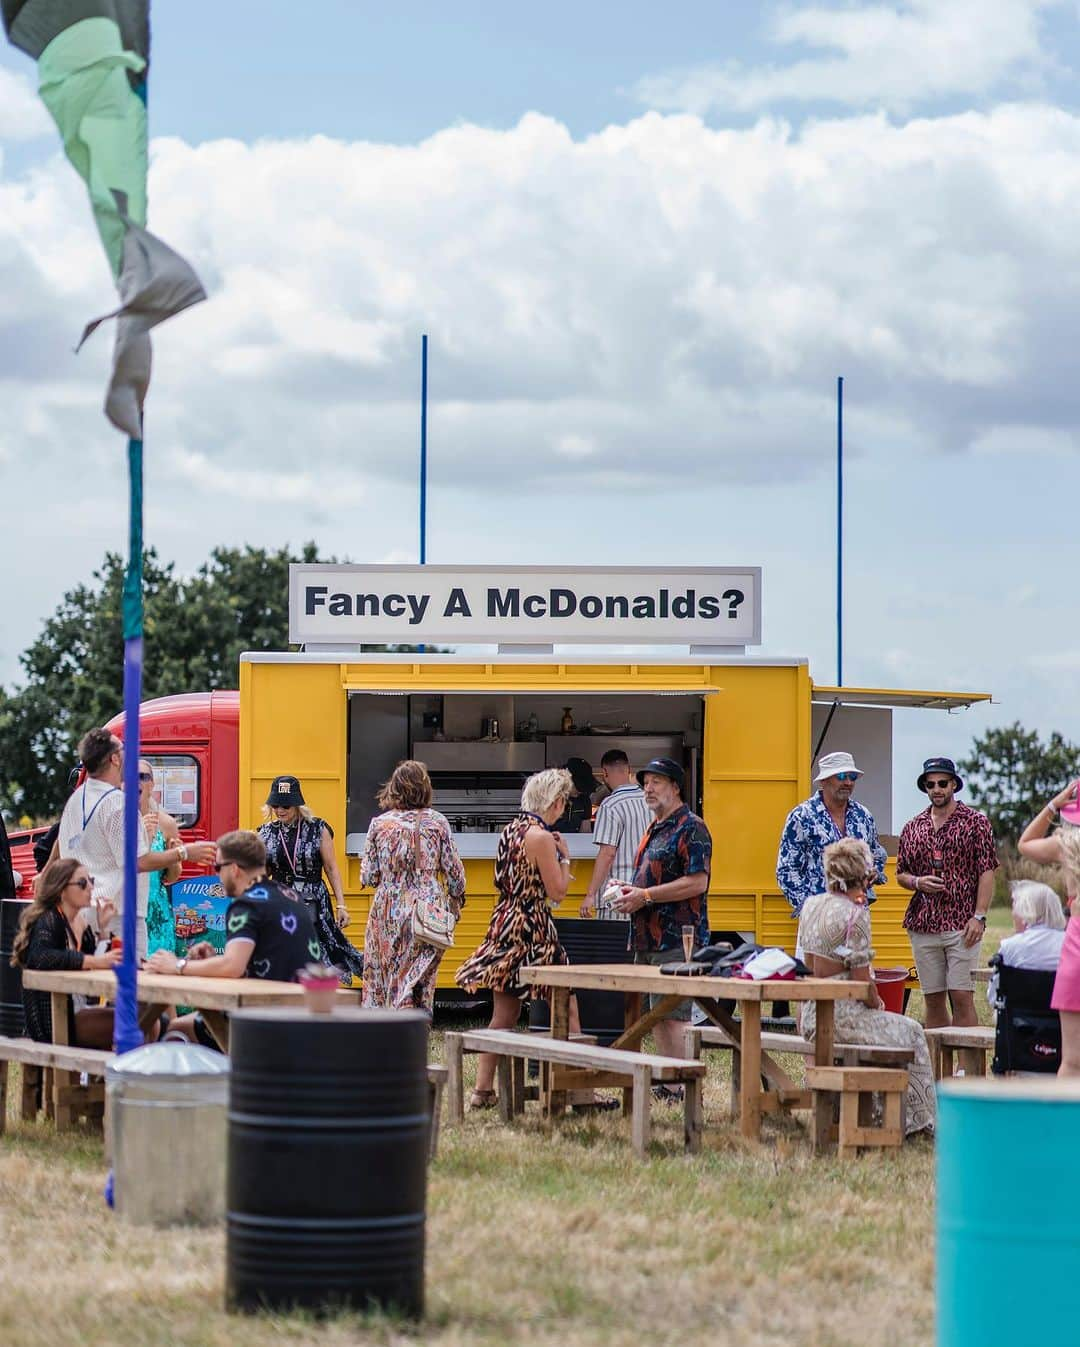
[688, 933]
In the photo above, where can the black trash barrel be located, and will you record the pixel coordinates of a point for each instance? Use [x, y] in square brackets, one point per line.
[12, 1020]
[327, 1160]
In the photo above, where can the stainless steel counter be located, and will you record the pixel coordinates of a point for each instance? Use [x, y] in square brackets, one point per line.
[481, 846]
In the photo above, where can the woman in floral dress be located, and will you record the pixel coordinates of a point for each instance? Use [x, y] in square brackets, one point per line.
[532, 875]
[299, 847]
[834, 935]
[400, 972]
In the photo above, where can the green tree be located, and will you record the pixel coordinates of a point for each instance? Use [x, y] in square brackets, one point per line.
[1011, 773]
[195, 628]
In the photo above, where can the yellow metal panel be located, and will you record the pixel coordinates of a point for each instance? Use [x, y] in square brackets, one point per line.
[898, 697]
[293, 720]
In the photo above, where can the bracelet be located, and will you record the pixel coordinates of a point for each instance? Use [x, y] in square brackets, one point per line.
[181, 848]
[1052, 807]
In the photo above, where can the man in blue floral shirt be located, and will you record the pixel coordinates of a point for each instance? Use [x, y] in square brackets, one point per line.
[826, 817]
[669, 888]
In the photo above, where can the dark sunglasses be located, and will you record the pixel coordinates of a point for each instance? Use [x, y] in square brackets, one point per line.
[146, 776]
[220, 865]
[940, 785]
[847, 776]
[84, 884]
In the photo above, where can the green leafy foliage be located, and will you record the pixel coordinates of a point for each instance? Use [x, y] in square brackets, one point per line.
[1011, 773]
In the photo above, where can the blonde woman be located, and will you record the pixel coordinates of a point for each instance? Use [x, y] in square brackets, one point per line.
[299, 847]
[532, 875]
[409, 853]
[1063, 848]
[834, 936]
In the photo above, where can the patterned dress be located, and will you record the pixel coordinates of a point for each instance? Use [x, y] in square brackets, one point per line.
[522, 930]
[160, 923]
[828, 923]
[399, 972]
[294, 860]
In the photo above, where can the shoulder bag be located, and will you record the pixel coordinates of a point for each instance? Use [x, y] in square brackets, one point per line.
[433, 919]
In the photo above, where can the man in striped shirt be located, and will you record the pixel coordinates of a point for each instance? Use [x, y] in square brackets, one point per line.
[621, 822]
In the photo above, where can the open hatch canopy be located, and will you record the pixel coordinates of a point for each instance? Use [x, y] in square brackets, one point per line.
[893, 697]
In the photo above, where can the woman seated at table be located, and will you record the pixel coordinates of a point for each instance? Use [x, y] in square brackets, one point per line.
[834, 935]
[54, 935]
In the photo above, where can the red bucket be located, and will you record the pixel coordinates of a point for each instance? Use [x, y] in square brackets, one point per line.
[890, 985]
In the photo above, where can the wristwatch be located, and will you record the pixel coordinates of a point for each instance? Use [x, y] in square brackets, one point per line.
[980, 916]
[181, 964]
[648, 897]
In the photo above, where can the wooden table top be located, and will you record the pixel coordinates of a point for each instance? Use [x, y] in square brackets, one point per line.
[627, 977]
[170, 989]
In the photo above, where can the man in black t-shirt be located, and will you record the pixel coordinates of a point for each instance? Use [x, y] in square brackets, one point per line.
[268, 930]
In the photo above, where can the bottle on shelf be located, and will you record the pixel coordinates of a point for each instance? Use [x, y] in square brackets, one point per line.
[567, 720]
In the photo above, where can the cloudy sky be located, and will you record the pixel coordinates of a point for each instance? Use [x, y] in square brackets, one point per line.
[645, 240]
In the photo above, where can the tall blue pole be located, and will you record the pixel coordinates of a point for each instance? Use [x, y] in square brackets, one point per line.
[126, 1029]
[423, 450]
[840, 532]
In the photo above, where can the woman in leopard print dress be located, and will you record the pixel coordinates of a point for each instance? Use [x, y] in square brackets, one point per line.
[532, 875]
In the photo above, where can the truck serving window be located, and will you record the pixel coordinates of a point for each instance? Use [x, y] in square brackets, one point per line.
[176, 785]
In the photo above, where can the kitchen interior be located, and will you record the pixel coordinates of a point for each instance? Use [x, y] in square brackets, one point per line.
[480, 747]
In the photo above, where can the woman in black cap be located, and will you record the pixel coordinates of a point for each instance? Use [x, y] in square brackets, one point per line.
[299, 847]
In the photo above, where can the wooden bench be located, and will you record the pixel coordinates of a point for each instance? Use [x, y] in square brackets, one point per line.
[68, 1100]
[600, 1067]
[856, 1085]
[969, 1043]
[699, 1038]
[436, 1075]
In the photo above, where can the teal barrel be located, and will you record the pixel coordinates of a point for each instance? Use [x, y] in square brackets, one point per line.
[1008, 1193]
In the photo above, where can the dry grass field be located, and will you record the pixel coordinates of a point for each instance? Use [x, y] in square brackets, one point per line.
[533, 1237]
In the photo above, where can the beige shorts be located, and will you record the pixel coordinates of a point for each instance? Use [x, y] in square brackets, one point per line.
[943, 961]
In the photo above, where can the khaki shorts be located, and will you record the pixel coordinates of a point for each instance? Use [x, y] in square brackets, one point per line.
[656, 957]
[943, 961]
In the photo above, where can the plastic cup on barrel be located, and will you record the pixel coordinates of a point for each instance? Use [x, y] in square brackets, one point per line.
[320, 988]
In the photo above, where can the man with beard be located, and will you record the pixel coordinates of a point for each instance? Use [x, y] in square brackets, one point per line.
[947, 857]
[829, 815]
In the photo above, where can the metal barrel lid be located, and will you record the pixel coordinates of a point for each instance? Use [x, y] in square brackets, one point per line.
[168, 1060]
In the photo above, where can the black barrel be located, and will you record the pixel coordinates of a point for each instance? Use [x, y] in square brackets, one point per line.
[327, 1160]
[12, 1020]
[602, 1013]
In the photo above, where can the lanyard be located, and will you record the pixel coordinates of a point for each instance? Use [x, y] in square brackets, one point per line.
[296, 849]
[87, 817]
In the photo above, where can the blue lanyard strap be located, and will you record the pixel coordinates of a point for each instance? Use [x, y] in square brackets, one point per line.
[93, 811]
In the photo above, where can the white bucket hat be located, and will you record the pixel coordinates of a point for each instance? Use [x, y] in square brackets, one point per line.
[832, 764]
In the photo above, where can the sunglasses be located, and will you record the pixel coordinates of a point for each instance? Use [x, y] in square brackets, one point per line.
[220, 865]
[83, 884]
[146, 776]
[846, 776]
[940, 785]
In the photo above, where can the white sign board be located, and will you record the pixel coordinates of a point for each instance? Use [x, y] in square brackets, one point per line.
[628, 605]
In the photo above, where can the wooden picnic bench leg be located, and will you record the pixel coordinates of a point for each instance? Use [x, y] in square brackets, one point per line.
[639, 1121]
[554, 1101]
[693, 1115]
[454, 1056]
[61, 1079]
[945, 1061]
[824, 1046]
[973, 1061]
[505, 1088]
[218, 1024]
[750, 1070]
[33, 1081]
[631, 1015]
[517, 1085]
[435, 1088]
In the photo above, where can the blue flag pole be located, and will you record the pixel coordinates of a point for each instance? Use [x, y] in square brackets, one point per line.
[840, 532]
[423, 450]
[127, 1033]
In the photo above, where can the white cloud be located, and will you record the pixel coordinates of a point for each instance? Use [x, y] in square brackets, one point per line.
[884, 55]
[22, 113]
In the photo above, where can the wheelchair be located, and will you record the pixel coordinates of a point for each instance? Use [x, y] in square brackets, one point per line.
[1028, 1033]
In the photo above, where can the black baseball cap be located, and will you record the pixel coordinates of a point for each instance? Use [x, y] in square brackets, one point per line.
[939, 765]
[662, 767]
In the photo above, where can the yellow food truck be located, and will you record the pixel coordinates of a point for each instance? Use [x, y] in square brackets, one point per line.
[746, 730]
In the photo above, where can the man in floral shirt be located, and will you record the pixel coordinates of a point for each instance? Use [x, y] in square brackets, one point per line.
[947, 856]
[668, 892]
[826, 817]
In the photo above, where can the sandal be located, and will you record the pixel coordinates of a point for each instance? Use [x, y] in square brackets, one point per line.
[482, 1099]
[668, 1094]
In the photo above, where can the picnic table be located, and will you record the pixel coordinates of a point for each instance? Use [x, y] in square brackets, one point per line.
[213, 996]
[638, 980]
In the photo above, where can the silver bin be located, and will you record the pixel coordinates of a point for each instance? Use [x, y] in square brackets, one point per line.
[165, 1110]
